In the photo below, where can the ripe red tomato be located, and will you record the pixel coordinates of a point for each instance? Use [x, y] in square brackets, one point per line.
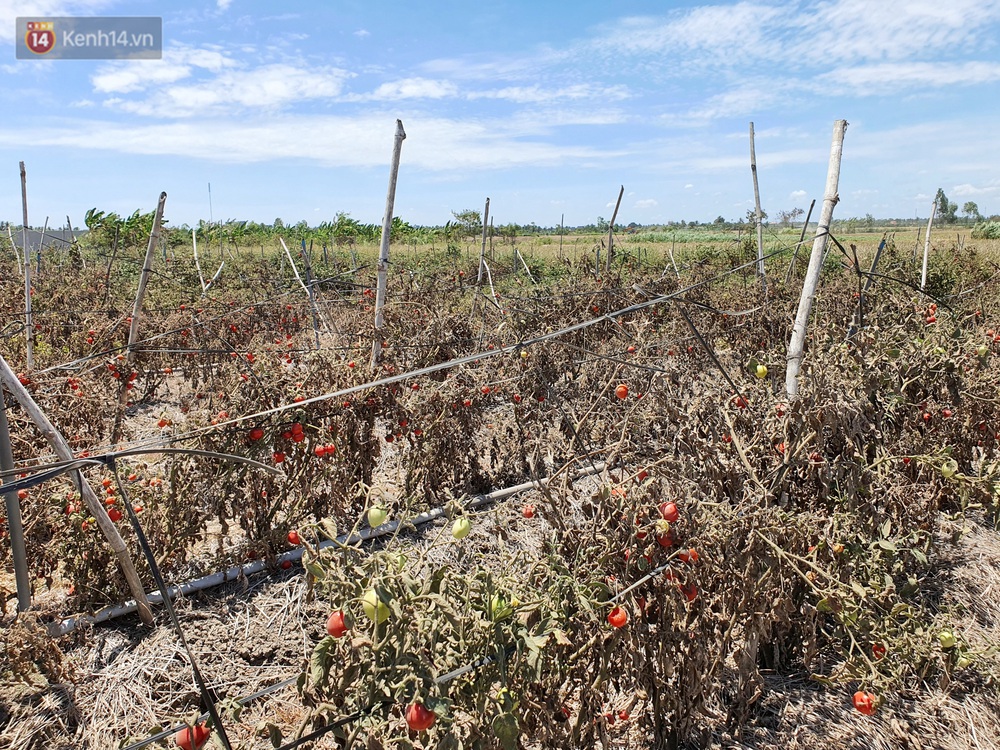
[335, 624]
[864, 702]
[529, 511]
[256, 434]
[320, 451]
[688, 556]
[690, 591]
[279, 457]
[622, 391]
[22, 494]
[418, 718]
[293, 538]
[516, 398]
[669, 512]
[618, 617]
[878, 650]
[115, 515]
[192, 739]
[286, 564]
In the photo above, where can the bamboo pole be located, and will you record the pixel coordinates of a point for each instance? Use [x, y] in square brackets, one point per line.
[197, 264]
[29, 328]
[562, 231]
[147, 267]
[15, 528]
[796, 344]
[611, 232]
[760, 217]
[90, 499]
[38, 250]
[482, 251]
[383, 256]
[798, 245]
[927, 245]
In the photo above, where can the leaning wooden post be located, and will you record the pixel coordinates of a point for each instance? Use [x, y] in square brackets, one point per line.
[482, 251]
[147, 267]
[383, 256]
[830, 198]
[133, 331]
[14, 526]
[29, 327]
[90, 499]
[798, 245]
[611, 233]
[927, 245]
[760, 217]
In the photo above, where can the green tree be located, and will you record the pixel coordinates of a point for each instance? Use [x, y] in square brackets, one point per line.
[946, 210]
[971, 210]
[468, 223]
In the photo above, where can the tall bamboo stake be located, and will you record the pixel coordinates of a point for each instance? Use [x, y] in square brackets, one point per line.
[611, 232]
[29, 327]
[383, 256]
[927, 244]
[14, 526]
[830, 199]
[482, 251]
[197, 263]
[798, 245]
[90, 499]
[147, 267]
[760, 218]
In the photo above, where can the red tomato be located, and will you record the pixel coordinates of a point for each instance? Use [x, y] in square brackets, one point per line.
[864, 702]
[878, 650]
[690, 591]
[192, 739]
[622, 391]
[418, 718]
[293, 538]
[335, 624]
[669, 512]
[618, 617]
[529, 511]
[256, 433]
[688, 556]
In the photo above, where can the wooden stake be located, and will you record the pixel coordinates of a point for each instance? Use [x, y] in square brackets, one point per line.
[29, 327]
[798, 245]
[147, 267]
[90, 499]
[383, 257]
[760, 218]
[482, 252]
[927, 245]
[14, 526]
[197, 264]
[796, 344]
[611, 233]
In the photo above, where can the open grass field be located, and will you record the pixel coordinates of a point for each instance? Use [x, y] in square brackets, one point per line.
[688, 557]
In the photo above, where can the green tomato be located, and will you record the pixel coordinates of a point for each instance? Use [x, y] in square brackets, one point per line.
[377, 515]
[500, 608]
[949, 468]
[947, 639]
[375, 609]
[461, 528]
[982, 350]
[761, 371]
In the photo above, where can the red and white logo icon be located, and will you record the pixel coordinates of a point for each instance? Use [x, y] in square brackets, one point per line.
[40, 37]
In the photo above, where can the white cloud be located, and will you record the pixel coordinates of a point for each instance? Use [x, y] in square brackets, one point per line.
[223, 4]
[362, 33]
[268, 87]
[688, 186]
[435, 144]
[797, 195]
[888, 77]
[646, 203]
[539, 95]
[9, 11]
[966, 190]
[407, 88]
[177, 64]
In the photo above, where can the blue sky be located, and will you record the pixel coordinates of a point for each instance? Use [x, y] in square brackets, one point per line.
[288, 109]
